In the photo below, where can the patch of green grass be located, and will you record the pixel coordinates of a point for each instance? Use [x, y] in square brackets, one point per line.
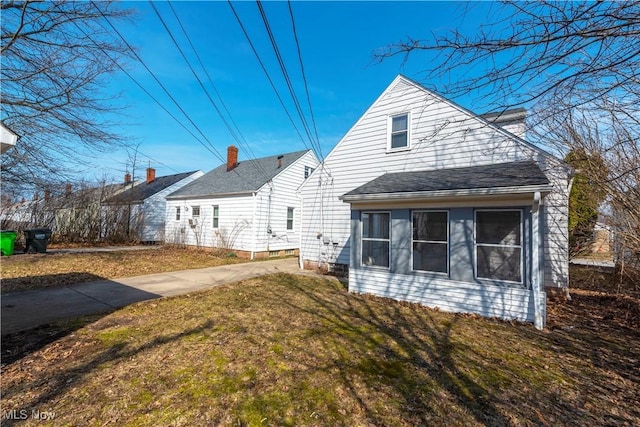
[297, 350]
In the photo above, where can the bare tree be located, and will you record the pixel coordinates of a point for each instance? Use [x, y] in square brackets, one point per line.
[53, 79]
[537, 51]
[576, 65]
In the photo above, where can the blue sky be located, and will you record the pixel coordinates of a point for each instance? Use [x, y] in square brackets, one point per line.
[336, 42]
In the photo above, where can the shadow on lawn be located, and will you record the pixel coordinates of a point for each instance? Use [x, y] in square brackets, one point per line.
[34, 318]
[385, 351]
[420, 357]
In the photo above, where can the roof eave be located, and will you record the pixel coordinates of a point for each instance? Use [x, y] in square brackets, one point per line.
[211, 196]
[464, 192]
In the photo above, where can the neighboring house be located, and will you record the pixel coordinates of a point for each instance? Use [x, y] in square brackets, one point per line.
[8, 138]
[73, 214]
[427, 202]
[141, 209]
[250, 206]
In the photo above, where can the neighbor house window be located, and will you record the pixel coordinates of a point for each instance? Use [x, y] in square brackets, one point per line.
[289, 218]
[216, 215]
[308, 171]
[195, 211]
[499, 245]
[399, 132]
[431, 241]
[178, 213]
[375, 239]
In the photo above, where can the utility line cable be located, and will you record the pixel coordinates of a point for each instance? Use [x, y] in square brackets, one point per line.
[215, 151]
[242, 140]
[253, 48]
[283, 68]
[304, 79]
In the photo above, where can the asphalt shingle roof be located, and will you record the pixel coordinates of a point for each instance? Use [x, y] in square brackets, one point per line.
[142, 191]
[513, 174]
[246, 177]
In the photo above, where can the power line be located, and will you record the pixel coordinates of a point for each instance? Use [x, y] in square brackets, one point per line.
[283, 68]
[304, 78]
[214, 151]
[213, 103]
[253, 48]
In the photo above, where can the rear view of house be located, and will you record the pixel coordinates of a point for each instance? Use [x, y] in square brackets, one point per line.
[249, 206]
[427, 202]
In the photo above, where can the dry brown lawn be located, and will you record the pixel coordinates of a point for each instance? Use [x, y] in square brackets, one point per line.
[299, 350]
[24, 272]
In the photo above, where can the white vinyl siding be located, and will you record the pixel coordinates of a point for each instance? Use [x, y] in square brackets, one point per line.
[443, 136]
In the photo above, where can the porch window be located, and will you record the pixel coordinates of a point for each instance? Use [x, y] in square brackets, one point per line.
[177, 213]
[289, 218]
[498, 245]
[399, 132]
[431, 241]
[216, 215]
[375, 239]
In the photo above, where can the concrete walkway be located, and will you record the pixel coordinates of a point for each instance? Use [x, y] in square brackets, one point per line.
[26, 310]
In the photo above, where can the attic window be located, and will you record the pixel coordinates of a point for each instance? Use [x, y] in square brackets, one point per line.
[308, 171]
[398, 132]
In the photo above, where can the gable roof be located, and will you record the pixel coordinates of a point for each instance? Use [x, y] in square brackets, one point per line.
[487, 179]
[248, 176]
[144, 190]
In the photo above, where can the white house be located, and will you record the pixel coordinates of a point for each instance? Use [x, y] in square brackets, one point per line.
[250, 206]
[8, 138]
[143, 206]
[427, 202]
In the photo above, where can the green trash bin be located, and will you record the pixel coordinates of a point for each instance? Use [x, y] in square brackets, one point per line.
[36, 240]
[7, 240]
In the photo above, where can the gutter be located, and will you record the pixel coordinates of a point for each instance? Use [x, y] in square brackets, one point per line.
[421, 195]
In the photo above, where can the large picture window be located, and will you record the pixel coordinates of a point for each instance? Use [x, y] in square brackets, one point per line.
[499, 245]
[399, 135]
[375, 239]
[431, 241]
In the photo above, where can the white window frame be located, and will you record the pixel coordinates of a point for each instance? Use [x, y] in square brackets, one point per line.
[373, 239]
[520, 246]
[447, 242]
[308, 170]
[195, 209]
[215, 216]
[390, 132]
[177, 217]
[292, 211]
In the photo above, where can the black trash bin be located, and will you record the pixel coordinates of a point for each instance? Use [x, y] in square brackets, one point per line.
[36, 240]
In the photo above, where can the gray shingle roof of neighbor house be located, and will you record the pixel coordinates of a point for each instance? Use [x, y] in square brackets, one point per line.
[144, 190]
[525, 174]
[246, 177]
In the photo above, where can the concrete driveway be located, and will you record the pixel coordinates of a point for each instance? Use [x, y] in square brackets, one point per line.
[26, 310]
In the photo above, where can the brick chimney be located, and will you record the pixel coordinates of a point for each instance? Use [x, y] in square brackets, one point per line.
[127, 178]
[232, 157]
[67, 190]
[280, 161]
[151, 175]
[47, 195]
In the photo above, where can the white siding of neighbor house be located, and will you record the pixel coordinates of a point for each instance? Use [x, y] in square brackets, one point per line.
[154, 210]
[244, 219]
[442, 136]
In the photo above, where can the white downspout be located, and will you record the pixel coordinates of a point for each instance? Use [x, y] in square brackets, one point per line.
[300, 262]
[253, 225]
[539, 297]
